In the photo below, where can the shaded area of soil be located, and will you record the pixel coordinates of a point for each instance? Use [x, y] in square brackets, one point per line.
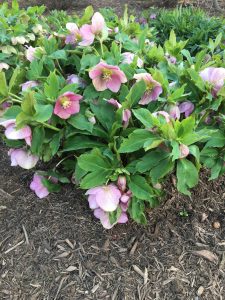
[55, 249]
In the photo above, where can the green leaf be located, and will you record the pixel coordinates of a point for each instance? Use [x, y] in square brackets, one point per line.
[93, 161]
[135, 94]
[55, 143]
[164, 167]
[28, 104]
[3, 85]
[136, 140]
[38, 135]
[140, 188]
[59, 54]
[137, 211]
[43, 112]
[150, 160]
[187, 176]
[217, 140]
[94, 179]
[79, 121]
[51, 88]
[114, 216]
[87, 15]
[105, 113]
[145, 117]
[51, 187]
[80, 142]
[12, 112]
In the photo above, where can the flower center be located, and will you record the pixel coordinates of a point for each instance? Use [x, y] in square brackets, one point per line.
[106, 74]
[149, 87]
[78, 37]
[65, 102]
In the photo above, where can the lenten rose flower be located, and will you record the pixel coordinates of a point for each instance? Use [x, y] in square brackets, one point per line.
[28, 85]
[104, 218]
[153, 88]
[153, 16]
[214, 76]
[126, 115]
[184, 151]
[4, 66]
[187, 108]
[128, 58]
[98, 23]
[75, 34]
[106, 76]
[30, 53]
[106, 197]
[12, 133]
[163, 114]
[122, 183]
[174, 112]
[67, 104]
[75, 79]
[37, 186]
[22, 158]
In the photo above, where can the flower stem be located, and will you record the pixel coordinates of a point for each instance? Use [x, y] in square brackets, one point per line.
[49, 126]
[15, 96]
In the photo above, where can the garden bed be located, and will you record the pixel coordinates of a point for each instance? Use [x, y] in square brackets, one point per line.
[61, 252]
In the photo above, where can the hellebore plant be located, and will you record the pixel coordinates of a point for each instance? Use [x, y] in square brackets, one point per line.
[109, 109]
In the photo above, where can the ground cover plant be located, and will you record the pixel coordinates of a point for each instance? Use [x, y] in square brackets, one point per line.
[113, 111]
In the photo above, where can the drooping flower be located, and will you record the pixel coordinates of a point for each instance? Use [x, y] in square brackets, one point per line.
[184, 151]
[153, 88]
[104, 218]
[75, 79]
[67, 104]
[170, 58]
[153, 16]
[75, 34]
[22, 158]
[187, 108]
[106, 76]
[28, 85]
[128, 58]
[30, 53]
[126, 115]
[163, 114]
[98, 23]
[4, 66]
[37, 186]
[174, 112]
[12, 133]
[106, 197]
[122, 183]
[214, 76]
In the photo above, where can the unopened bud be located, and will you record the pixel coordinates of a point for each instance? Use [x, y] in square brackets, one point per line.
[122, 182]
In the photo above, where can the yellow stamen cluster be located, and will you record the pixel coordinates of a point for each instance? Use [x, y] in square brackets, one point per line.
[149, 87]
[106, 74]
[65, 102]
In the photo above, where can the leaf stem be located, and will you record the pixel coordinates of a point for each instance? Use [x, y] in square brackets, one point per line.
[49, 126]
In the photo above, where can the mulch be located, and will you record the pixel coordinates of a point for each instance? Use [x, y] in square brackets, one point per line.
[55, 249]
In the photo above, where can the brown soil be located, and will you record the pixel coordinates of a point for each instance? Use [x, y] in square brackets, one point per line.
[55, 249]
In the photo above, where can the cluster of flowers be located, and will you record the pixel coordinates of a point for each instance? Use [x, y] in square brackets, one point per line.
[105, 199]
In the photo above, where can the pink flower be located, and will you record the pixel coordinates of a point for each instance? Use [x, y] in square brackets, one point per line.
[106, 76]
[126, 112]
[98, 23]
[163, 114]
[184, 151]
[37, 186]
[104, 218]
[106, 197]
[67, 104]
[214, 76]
[122, 183]
[187, 108]
[128, 58]
[174, 112]
[75, 34]
[153, 88]
[153, 16]
[4, 66]
[20, 157]
[30, 53]
[75, 79]
[12, 133]
[28, 85]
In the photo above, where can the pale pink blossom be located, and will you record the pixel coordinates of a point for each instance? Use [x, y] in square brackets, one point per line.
[106, 76]
[174, 112]
[187, 108]
[37, 186]
[28, 85]
[98, 23]
[129, 57]
[215, 77]
[22, 158]
[75, 79]
[163, 114]
[106, 197]
[122, 183]
[184, 151]
[4, 66]
[12, 133]
[153, 88]
[30, 53]
[67, 104]
[104, 218]
[126, 115]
